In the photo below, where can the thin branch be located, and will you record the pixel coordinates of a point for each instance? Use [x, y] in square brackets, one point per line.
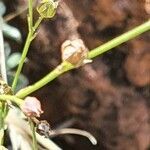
[12, 98]
[25, 51]
[33, 129]
[74, 131]
[120, 39]
[64, 66]
[2, 54]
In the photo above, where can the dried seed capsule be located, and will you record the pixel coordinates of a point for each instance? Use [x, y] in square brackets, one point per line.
[43, 128]
[74, 52]
[47, 8]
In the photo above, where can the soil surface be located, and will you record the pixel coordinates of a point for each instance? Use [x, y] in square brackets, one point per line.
[110, 97]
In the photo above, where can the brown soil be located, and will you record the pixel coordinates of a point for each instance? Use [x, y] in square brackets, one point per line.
[109, 97]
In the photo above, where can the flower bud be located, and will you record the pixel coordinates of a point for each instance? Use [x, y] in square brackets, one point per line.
[47, 8]
[31, 107]
[74, 52]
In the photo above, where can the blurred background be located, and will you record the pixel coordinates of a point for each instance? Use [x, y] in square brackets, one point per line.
[110, 97]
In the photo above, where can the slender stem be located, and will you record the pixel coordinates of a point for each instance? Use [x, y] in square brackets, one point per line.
[12, 98]
[25, 51]
[4, 98]
[2, 135]
[63, 67]
[33, 129]
[73, 131]
[30, 13]
[4, 76]
[93, 53]
[30, 37]
[120, 39]
[2, 54]
[37, 23]
[27, 44]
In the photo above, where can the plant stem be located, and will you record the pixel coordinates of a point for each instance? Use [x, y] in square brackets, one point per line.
[29, 39]
[120, 39]
[27, 44]
[37, 23]
[4, 76]
[34, 141]
[63, 67]
[86, 134]
[25, 51]
[30, 14]
[93, 53]
[12, 98]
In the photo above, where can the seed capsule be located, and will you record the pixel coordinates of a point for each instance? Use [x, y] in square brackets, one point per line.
[43, 128]
[47, 8]
[74, 52]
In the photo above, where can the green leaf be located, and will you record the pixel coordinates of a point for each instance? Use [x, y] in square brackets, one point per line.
[13, 60]
[7, 49]
[11, 32]
[2, 8]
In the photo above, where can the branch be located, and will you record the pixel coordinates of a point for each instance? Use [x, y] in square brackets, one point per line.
[66, 66]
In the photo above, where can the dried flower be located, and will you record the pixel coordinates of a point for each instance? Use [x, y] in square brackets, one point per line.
[43, 128]
[31, 107]
[5, 88]
[74, 52]
[47, 8]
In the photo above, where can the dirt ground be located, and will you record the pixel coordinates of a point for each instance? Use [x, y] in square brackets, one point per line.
[110, 97]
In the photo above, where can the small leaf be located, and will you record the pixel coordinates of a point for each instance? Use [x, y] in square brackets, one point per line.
[7, 49]
[11, 32]
[13, 60]
[2, 8]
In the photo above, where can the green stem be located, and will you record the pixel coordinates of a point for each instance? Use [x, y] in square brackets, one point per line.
[30, 37]
[33, 129]
[25, 51]
[120, 39]
[12, 98]
[30, 14]
[37, 23]
[27, 44]
[2, 135]
[63, 67]
[93, 53]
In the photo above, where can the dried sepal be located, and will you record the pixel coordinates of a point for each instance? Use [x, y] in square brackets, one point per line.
[47, 8]
[43, 128]
[31, 107]
[74, 52]
[5, 88]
